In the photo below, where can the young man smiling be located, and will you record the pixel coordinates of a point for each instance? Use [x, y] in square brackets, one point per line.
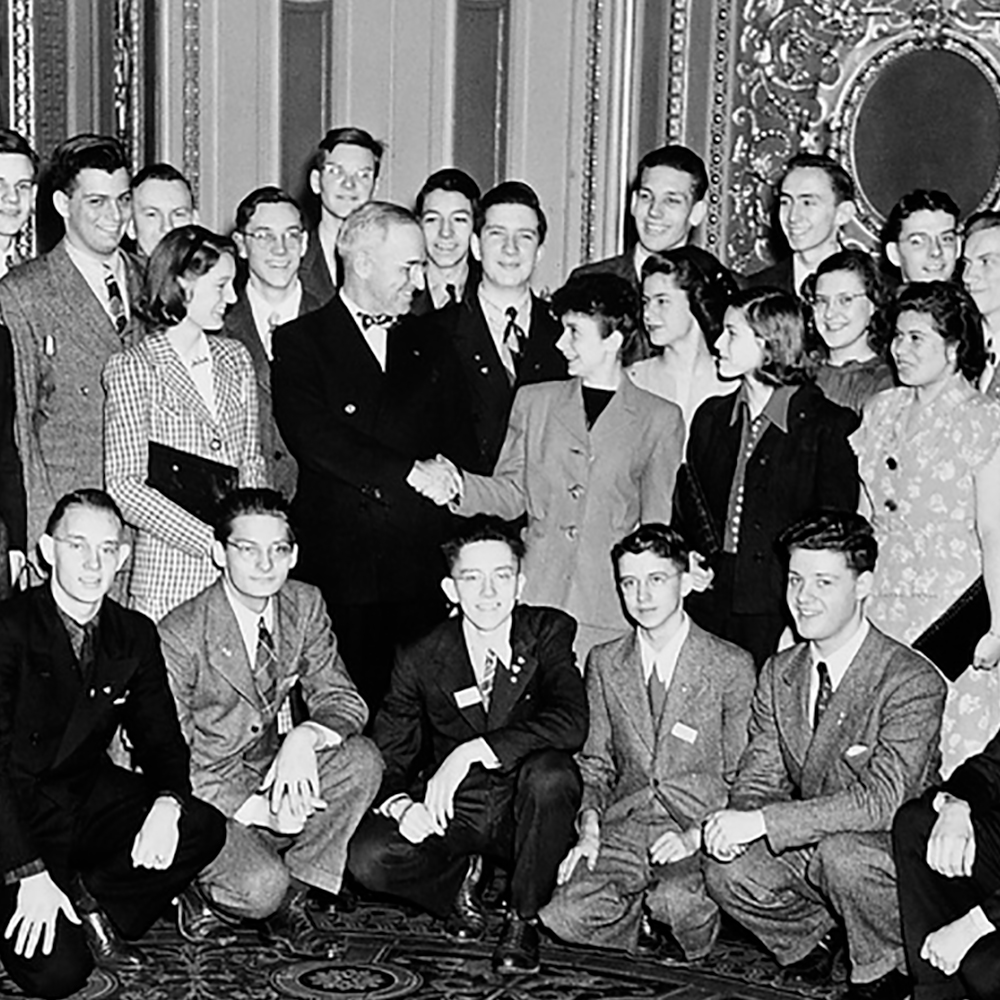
[88, 850]
[492, 705]
[292, 790]
[669, 705]
[844, 728]
[921, 236]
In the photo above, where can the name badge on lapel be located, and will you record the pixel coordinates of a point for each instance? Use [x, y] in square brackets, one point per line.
[468, 696]
[685, 733]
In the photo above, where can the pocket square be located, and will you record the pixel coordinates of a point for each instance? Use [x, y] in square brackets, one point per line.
[119, 701]
[858, 748]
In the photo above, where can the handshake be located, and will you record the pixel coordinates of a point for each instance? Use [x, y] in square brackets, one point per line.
[436, 478]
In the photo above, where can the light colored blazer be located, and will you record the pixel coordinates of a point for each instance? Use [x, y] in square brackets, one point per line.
[62, 338]
[582, 491]
[226, 724]
[682, 765]
[150, 397]
[876, 746]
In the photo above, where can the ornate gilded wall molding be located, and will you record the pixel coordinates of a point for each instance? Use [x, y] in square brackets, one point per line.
[800, 72]
[677, 72]
[191, 105]
[592, 122]
[127, 79]
[22, 90]
[719, 123]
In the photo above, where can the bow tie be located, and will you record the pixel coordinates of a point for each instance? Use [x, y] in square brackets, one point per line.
[376, 319]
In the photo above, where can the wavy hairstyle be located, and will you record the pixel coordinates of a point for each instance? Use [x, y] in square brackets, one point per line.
[954, 315]
[610, 300]
[776, 317]
[187, 252]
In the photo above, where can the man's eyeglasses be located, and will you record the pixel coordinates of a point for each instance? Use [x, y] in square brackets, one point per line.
[251, 552]
[271, 240]
[366, 175]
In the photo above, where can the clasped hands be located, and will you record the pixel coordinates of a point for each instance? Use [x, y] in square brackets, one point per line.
[293, 781]
[436, 478]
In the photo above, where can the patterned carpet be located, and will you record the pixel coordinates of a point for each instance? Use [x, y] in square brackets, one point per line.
[392, 951]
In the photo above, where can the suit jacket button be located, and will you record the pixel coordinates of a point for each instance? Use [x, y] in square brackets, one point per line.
[255, 728]
[891, 505]
[571, 532]
[215, 444]
[350, 408]
[84, 390]
[33, 739]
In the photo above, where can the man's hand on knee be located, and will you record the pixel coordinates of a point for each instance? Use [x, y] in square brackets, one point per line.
[675, 845]
[951, 847]
[587, 848]
[294, 774]
[947, 946]
[39, 903]
[440, 795]
[727, 833]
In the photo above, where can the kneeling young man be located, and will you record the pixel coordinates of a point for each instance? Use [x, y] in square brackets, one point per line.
[669, 705]
[294, 793]
[844, 728]
[494, 699]
[88, 850]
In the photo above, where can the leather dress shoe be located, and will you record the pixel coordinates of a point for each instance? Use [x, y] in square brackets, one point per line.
[816, 968]
[892, 986]
[517, 951]
[199, 923]
[291, 928]
[466, 920]
[110, 951]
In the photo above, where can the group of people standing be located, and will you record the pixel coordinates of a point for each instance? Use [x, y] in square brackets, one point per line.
[392, 374]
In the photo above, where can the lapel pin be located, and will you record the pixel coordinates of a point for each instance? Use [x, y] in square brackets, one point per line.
[350, 408]
[107, 690]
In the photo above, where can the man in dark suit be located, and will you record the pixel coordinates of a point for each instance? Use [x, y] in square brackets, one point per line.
[504, 335]
[446, 206]
[362, 402]
[293, 787]
[844, 728]
[492, 705]
[87, 850]
[922, 238]
[668, 202]
[669, 705]
[815, 202]
[945, 844]
[270, 237]
[344, 173]
[67, 312]
[981, 277]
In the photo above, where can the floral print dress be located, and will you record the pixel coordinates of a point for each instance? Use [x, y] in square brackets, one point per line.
[920, 481]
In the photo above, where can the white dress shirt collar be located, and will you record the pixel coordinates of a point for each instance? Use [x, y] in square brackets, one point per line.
[263, 312]
[477, 643]
[837, 662]
[249, 621]
[376, 337]
[664, 661]
[95, 273]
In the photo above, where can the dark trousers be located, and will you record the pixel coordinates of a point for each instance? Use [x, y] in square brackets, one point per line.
[929, 901]
[525, 819]
[369, 634]
[94, 841]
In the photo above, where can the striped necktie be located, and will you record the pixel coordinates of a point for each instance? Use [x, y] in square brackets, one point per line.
[823, 695]
[116, 304]
[490, 666]
[266, 675]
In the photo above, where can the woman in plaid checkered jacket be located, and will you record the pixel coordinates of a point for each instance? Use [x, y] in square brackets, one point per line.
[190, 392]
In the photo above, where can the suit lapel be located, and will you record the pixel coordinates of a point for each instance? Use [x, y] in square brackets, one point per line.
[227, 651]
[685, 685]
[71, 286]
[175, 376]
[567, 408]
[240, 326]
[486, 375]
[615, 424]
[511, 682]
[226, 382]
[629, 687]
[453, 674]
[791, 710]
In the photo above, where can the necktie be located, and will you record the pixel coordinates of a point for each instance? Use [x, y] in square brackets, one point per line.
[452, 293]
[375, 319]
[513, 336]
[116, 304]
[823, 695]
[490, 666]
[273, 321]
[88, 650]
[266, 674]
[657, 694]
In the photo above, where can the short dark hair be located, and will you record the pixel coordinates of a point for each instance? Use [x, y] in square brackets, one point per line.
[863, 266]
[162, 172]
[920, 200]
[185, 252]
[660, 539]
[14, 142]
[512, 193]
[840, 179]
[980, 222]
[87, 496]
[348, 135]
[831, 530]
[776, 317]
[448, 179]
[247, 501]
[609, 299]
[267, 195]
[954, 314]
[708, 291]
[85, 152]
[679, 158]
[482, 528]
